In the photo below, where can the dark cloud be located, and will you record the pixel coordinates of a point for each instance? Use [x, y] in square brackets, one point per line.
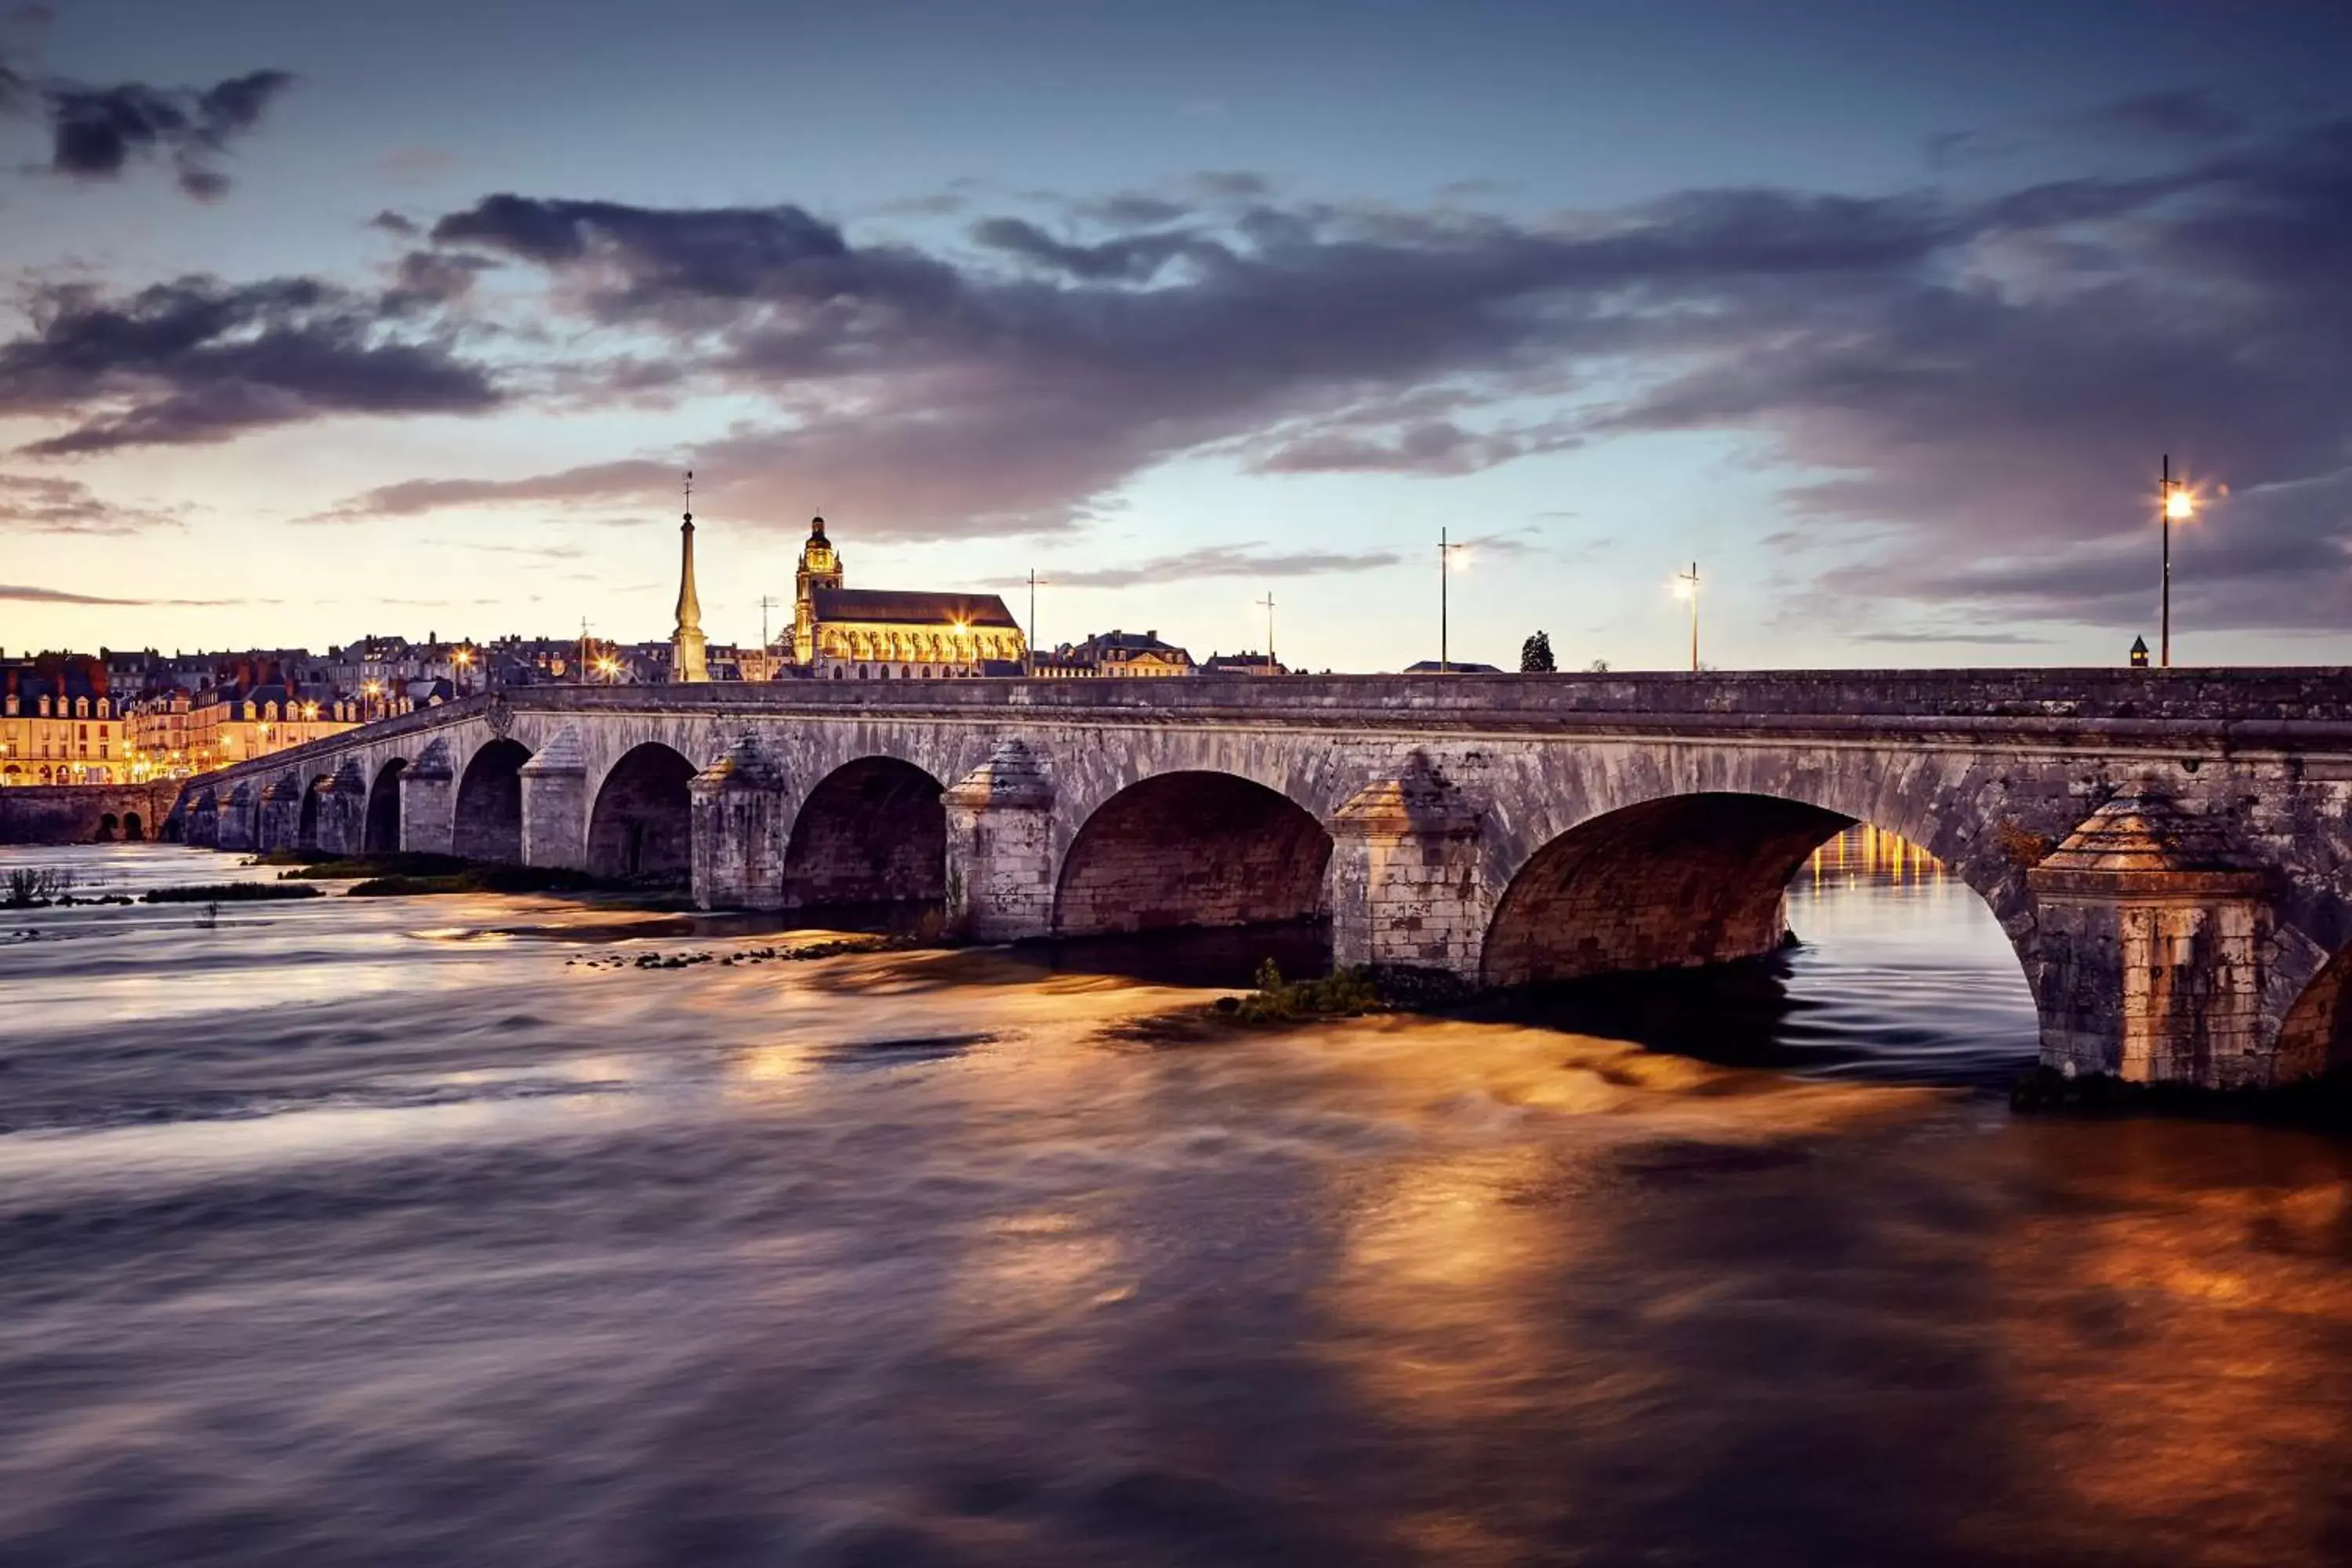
[20, 594]
[425, 279]
[2148, 120]
[96, 132]
[1976, 386]
[393, 224]
[197, 360]
[1960, 637]
[1436, 446]
[631, 479]
[38, 504]
[1220, 560]
[1132, 258]
[2181, 112]
[1132, 209]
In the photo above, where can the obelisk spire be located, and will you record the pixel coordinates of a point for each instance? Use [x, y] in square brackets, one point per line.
[686, 644]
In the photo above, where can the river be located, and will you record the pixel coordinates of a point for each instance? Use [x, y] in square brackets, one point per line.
[440, 1231]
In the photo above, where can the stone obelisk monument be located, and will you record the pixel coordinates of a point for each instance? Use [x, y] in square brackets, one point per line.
[687, 660]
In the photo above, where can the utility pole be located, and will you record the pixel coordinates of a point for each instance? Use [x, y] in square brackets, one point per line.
[1034, 581]
[1444, 572]
[1686, 584]
[1267, 605]
[766, 603]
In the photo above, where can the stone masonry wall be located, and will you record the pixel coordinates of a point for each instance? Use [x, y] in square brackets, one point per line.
[1193, 849]
[73, 813]
[873, 832]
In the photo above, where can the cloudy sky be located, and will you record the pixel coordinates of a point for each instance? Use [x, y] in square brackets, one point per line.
[325, 319]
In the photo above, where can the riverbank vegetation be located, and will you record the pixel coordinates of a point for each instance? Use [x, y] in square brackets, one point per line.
[228, 893]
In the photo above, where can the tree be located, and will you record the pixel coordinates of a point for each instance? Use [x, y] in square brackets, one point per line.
[1598, 666]
[1535, 655]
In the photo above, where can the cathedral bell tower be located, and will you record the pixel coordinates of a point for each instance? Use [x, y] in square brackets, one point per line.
[820, 568]
[688, 660]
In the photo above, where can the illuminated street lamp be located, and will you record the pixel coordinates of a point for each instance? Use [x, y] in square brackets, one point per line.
[609, 667]
[374, 690]
[1686, 587]
[2180, 506]
[464, 660]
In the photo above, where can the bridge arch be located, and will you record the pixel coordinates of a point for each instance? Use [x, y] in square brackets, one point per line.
[1192, 847]
[2316, 1035]
[872, 833]
[1677, 880]
[486, 821]
[380, 835]
[641, 824]
[306, 831]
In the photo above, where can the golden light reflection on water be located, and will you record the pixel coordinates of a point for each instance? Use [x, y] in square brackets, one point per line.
[2166, 1308]
[1458, 1292]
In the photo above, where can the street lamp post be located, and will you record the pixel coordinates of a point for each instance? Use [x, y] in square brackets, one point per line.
[1266, 605]
[1686, 587]
[1029, 665]
[2179, 505]
[1444, 579]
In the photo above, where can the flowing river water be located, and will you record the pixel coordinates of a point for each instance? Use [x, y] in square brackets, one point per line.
[422, 1232]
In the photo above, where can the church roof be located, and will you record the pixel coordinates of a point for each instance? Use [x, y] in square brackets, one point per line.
[911, 607]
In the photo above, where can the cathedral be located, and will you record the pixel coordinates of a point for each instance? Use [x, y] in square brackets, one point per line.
[852, 634]
[891, 633]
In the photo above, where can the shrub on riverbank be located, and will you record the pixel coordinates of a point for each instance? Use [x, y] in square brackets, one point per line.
[404, 863]
[33, 887]
[1342, 994]
[228, 893]
[485, 880]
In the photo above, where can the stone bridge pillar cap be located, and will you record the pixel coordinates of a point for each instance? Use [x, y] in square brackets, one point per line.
[1011, 779]
[1421, 802]
[745, 765]
[564, 754]
[285, 786]
[348, 780]
[432, 762]
[2147, 846]
[243, 794]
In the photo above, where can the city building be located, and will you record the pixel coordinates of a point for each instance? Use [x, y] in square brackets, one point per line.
[886, 633]
[1242, 664]
[60, 723]
[229, 724]
[1118, 655]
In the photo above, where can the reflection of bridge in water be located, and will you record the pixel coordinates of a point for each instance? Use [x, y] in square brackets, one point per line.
[2167, 852]
[1867, 852]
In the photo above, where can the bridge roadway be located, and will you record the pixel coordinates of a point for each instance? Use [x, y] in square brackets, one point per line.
[2169, 851]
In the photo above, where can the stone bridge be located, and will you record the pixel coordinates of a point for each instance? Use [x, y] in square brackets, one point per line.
[2169, 851]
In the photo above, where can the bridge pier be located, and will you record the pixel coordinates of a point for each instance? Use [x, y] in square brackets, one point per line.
[342, 826]
[742, 828]
[555, 804]
[999, 872]
[428, 804]
[1407, 888]
[2155, 937]
[278, 822]
[239, 817]
[204, 821]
